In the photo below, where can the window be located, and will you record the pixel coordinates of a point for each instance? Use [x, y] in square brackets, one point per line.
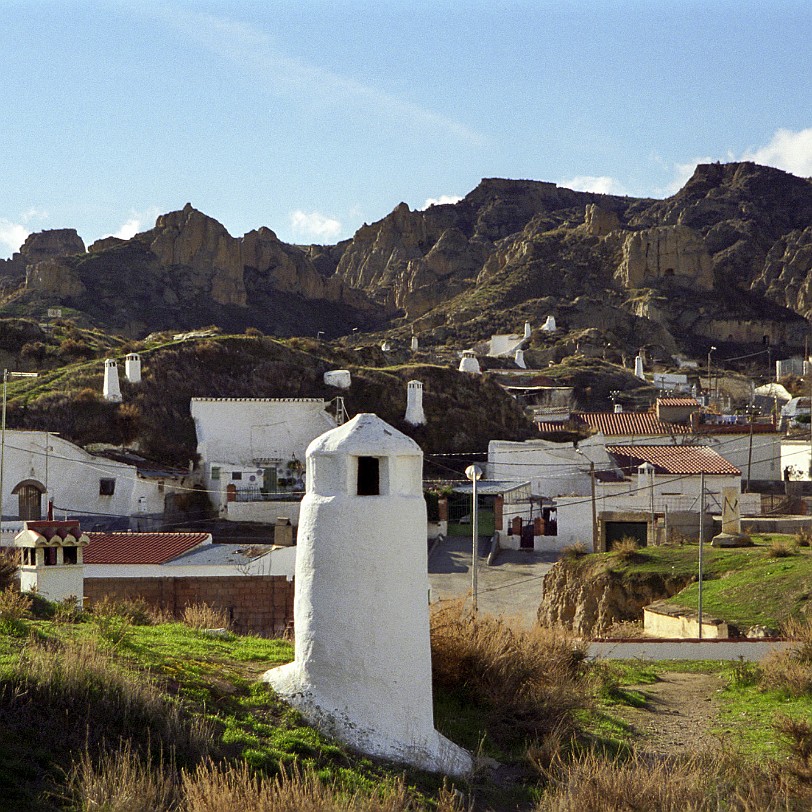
[215, 473]
[107, 487]
[236, 475]
[69, 555]
[369, 476]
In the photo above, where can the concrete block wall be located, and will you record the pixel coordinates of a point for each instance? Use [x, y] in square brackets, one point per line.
[256, 604]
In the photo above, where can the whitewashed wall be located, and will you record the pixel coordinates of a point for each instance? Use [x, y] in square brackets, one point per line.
[71, 478]
[552, 468]
[245, 433]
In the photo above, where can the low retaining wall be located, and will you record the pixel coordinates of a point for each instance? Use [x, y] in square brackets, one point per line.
[680, 624]
[256, 604]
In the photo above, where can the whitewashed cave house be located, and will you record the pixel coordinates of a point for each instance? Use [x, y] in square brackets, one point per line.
[41, 467]
[252, 453]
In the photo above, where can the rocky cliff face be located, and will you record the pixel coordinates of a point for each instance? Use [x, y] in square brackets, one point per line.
[187, 271]
[511, 250]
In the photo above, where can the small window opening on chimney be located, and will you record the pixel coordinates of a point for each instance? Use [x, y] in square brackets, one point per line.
[70, 556]
[107, 487]
[369, 476]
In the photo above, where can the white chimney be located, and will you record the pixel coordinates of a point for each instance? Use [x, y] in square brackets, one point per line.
[468, 363]
[638, 367]
[340, 378]
[618, 408]
[549, 325]
[527, 330]
[519, 359]
[414, 404]
[111, 391]
[414, 343]
[132, 367]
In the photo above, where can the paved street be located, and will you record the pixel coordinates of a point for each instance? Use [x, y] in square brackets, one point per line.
[512, 587]
[751, 650]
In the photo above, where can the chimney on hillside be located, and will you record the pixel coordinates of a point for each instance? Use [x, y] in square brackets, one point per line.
[111, 390]
[415, 415]
[132, 367]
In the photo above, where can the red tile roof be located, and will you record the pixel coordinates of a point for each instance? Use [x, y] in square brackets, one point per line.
[672, 459]
[140, 548]
[638, 424]
[630, 423]
[677, 401]
[49, 529]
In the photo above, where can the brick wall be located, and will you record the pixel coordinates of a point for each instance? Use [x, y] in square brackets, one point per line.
[257, 604]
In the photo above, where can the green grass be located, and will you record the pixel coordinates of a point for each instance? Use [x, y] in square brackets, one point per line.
[742, 586]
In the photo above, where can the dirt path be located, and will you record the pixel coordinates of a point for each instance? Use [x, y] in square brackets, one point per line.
[680, 710]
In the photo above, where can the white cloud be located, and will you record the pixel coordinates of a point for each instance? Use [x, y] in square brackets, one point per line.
[787, 150]
[12, 236]
[602, 184]
[315, 225]
[254, 51]
[33, 214]
[128, 229]
[442, 200]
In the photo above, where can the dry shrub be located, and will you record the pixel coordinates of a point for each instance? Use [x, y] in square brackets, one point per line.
[14, 605]
[799, 734]
[594, 783]
[791, 670]
[100, 698]
[781, 549]
[8, 568]
[803, 538]
[206, 616]
[529, 681]
[120, 781]
[574, 551]
[627, 549]
[217, 788]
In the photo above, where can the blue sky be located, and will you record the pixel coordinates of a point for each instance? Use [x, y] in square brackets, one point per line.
[312, 118]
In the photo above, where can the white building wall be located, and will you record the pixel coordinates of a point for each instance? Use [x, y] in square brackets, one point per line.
[553, 468]
[71, 477]
[798, 455]
[249, 433]
[262, 512]
[55, 583]
[279, 561]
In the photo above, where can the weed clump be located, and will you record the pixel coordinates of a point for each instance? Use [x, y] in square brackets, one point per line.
[781, 549]
[204, 616]
[14, 607]
[529, 682]
[574, 551]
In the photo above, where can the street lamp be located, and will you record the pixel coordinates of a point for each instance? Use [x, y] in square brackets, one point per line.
[710, 379]
[474, 473]
[6, 376]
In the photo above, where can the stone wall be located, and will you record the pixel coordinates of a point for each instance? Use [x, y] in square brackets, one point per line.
[261, 605]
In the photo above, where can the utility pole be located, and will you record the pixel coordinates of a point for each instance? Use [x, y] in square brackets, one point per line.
[701, 540]
[474, 473]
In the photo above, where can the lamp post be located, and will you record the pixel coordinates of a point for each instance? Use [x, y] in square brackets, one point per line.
[6, 376]
[710, 379]
[474, 473]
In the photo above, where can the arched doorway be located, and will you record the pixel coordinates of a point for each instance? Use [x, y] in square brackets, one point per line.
[29, 493]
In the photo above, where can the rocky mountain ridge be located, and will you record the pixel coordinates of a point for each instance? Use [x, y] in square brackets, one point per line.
[727, 258]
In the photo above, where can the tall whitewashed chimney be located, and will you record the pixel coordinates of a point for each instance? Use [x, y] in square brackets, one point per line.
[638, 367]
[132, 367]
[549, 325]
[527, 329]
[519, 359]
[414, 404]
[414, 343]
[112, 390]
[469, 363]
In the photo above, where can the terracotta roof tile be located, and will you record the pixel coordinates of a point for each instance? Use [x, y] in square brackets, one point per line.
[672, 459]
[140, 548]
[630, 423]
[677, 401]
